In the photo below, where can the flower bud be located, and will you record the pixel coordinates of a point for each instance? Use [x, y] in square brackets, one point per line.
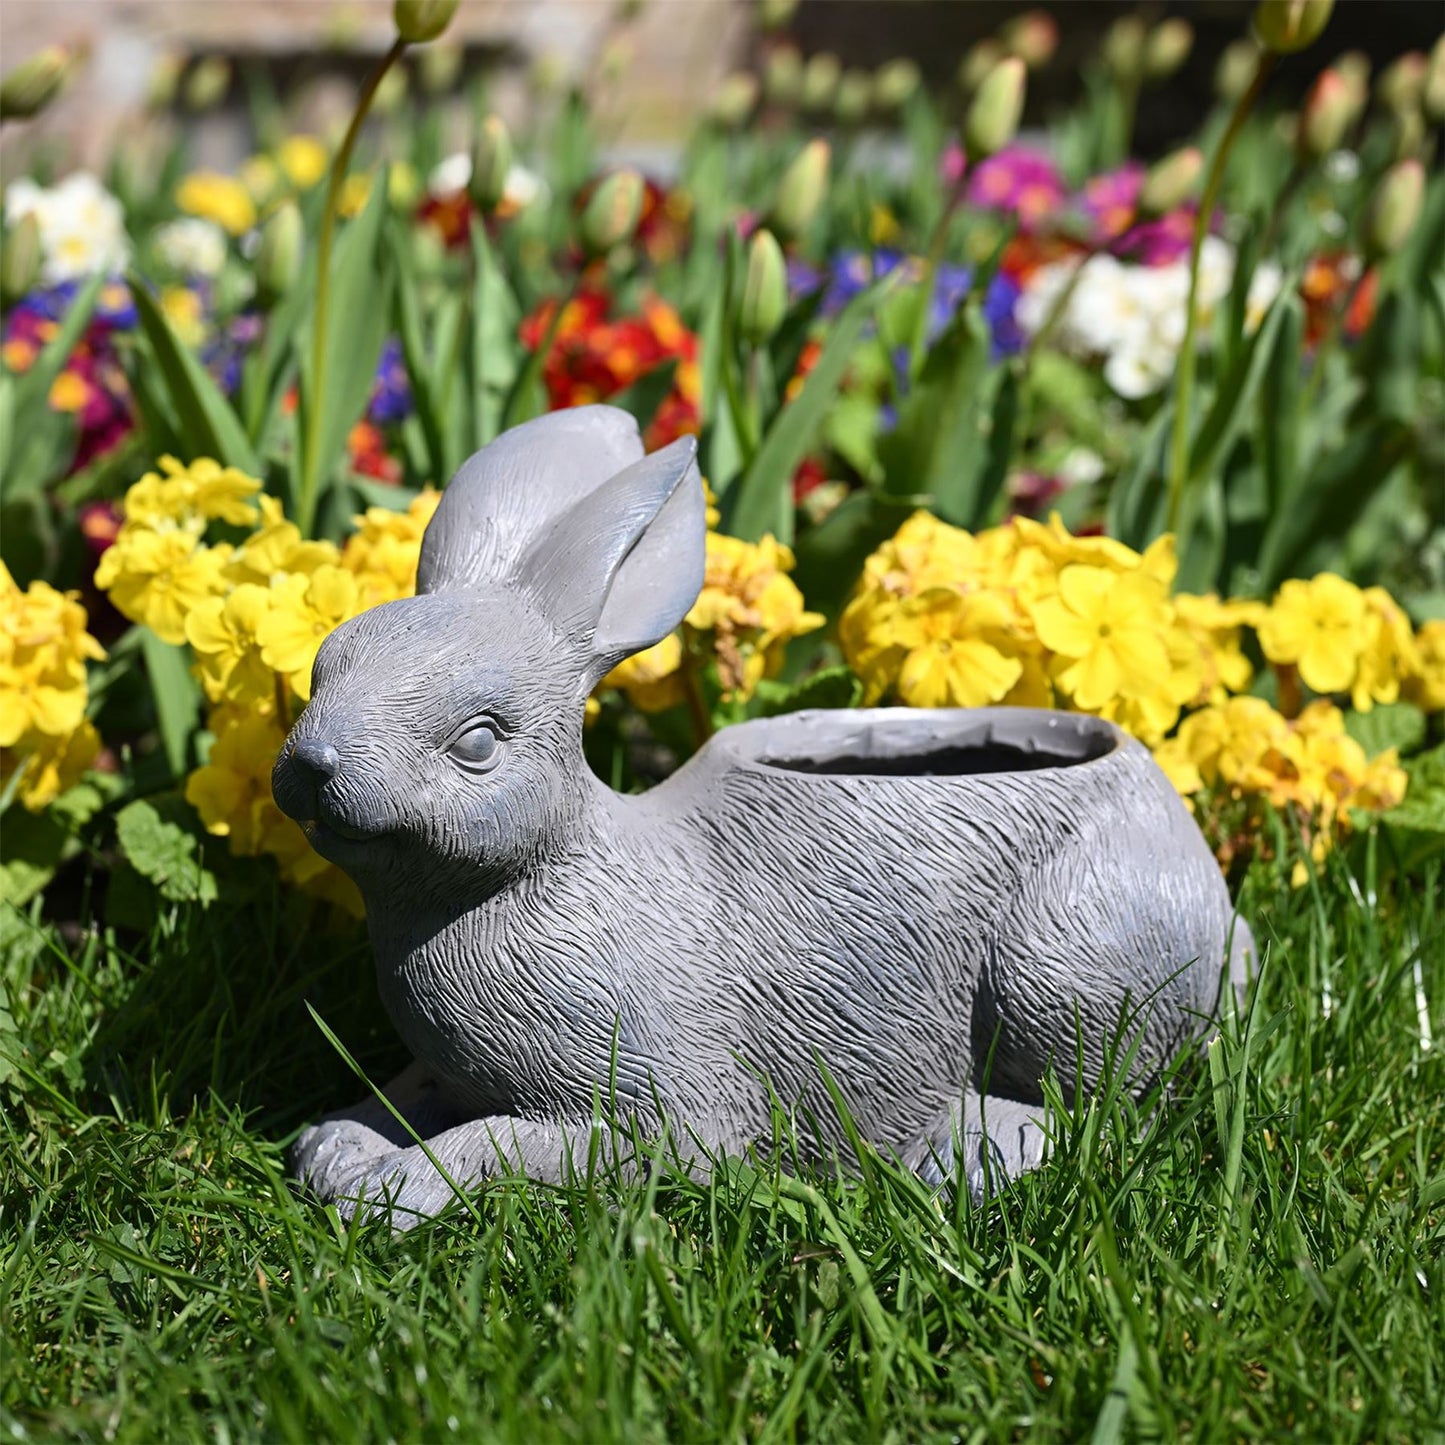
[977, 62]
[440, 67]
[783, 75]
[491, 164]
[33, 84]
[20, 258]
[1235, 71]
[895, 84]
[855, 91]
[164, 80]
[418, 21]
[1033, 37]
[208, 82]
[1171, 181]
[776, 14]
[765, 290]
[1285, 26]
[1401, 86]
[1407, 134]
[611, 213]
[994, 114]
[278, 256]
[735, 99]
[1327, 112]
[1167, 48]
[1354, 66]
[1394, 209]
[1123, 49]
[801, 190]
[1433, 97]
[820, 81]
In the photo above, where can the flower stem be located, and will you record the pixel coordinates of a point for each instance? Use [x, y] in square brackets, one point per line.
[310, 478]
[1184, 385]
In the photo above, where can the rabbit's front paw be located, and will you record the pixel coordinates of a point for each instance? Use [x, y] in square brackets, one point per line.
[334, 1150]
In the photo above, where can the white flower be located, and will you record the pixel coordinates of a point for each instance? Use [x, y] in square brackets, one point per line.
[193, 246]
[1080, 467]
[1135, 371]
[455, 174]
[82, 227]
[1264, 286]
[1342, 167]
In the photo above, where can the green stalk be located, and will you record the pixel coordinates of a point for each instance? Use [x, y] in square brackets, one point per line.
[1179, 442]
[310, 481]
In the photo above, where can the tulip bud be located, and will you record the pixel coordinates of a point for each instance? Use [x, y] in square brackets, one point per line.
[820, 81]
[440, 67]
[1123, 50]
[1285, 26]
[20, 260]
[735, 99]
[801, 190]
[979, 60]
[164, 80]
[1354, 66]
[34, 83]
[1167, 48]
[611, 213]
[1394, 209]
[491, 164]
[783, 75]
[278, 256]
[855, 90]
[1407, 134]
[1401, 86]
[1171, 181]
[1433, 97]
[765, 290]
[1033, 37]
[994, 115]
[418, 21]
[895, 84]
[208, 82]
[1327, 112]
[776, 14]
[1235, 71]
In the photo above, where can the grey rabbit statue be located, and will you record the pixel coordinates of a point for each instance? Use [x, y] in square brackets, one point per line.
[935, 905]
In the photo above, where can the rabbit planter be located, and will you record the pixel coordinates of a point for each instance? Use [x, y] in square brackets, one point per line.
[915, 899]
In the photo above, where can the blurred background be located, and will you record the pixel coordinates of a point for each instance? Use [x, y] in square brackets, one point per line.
[210, 64]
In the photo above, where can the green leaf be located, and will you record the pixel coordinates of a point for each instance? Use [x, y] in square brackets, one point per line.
[206, 424]
[1396, 725]
[762, 500]
[829, 687]
[495, 348]
[830, 555]
[35, 846]
[1417, 823]
[1135, 510]
[158, 839]
[1279, 407]
[177, 698]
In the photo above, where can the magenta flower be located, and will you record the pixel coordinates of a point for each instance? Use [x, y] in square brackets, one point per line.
[1020, 181]
[1161, 242]
[1110, 200]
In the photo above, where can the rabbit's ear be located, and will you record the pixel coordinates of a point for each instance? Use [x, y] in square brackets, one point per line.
[511, 492]
[621, 568]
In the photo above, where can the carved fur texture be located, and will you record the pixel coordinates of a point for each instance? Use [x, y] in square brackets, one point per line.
[912, 899]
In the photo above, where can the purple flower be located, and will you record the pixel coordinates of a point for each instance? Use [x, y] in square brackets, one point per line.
[390, 390]
[1020, 181]
[999, 307]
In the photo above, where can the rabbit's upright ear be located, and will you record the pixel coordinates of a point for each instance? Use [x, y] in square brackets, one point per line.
[512, 491]
[621, 569]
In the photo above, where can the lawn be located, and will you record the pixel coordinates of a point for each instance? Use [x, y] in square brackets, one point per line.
[1261, 1256]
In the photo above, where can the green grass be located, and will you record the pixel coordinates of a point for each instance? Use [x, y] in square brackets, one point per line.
[1262, 1256]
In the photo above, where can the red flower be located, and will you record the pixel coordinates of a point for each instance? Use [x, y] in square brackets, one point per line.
[1327, 280]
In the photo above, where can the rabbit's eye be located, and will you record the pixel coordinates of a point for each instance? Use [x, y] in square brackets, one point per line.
[477, 748]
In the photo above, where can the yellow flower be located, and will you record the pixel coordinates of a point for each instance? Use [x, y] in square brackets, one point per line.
[222, 632]
[218, 198]
[187, 497]
[304, 612]
[157, 578]
[1319, 626]
[956, 645]
[1427, 688]
[355, 192]
[1107, 627]
[232, 792]
[652, 678]
[1389, 655]
[183, 309]
[49, 701]
[1217, 628]
[384, 550]
[277, 551]
[50, 764]
[304, 160]
[260, 176]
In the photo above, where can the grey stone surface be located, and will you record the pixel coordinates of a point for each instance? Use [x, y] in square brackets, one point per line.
[908, 897]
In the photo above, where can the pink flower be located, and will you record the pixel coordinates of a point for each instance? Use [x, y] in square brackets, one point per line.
[1110, 200]
[1021, 181]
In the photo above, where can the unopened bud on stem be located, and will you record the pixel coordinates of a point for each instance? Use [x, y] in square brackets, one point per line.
[1124, 48]
[1325, 116]
[491, 163]
[1167, 48]
[418, 21]
[1394, 209]
[611, 214]
[20, 259]
[1235, 71]
[1433, 96]
[765, 290]
[1285, 26]
[820, 81]
[735, 99]
[34, 83]
[1033, 37]
[993, 117]
[1171, 181]
[1401, 86]
[895, 84]
[801, 190]
[278, 257]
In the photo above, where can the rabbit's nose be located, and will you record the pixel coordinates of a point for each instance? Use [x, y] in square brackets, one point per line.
[317, 761]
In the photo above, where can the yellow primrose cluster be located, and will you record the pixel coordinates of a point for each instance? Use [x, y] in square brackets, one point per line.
[1026, 614]
[46, 741]
[747, 613]
[255, 613]
[1242, 750]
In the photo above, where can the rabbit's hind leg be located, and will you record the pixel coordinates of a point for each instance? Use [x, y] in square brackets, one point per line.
[997, 1140]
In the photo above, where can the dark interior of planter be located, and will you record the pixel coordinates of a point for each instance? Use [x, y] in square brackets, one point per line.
[942, 762]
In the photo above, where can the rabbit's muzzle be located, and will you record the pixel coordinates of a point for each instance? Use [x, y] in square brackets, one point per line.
[307, 785]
